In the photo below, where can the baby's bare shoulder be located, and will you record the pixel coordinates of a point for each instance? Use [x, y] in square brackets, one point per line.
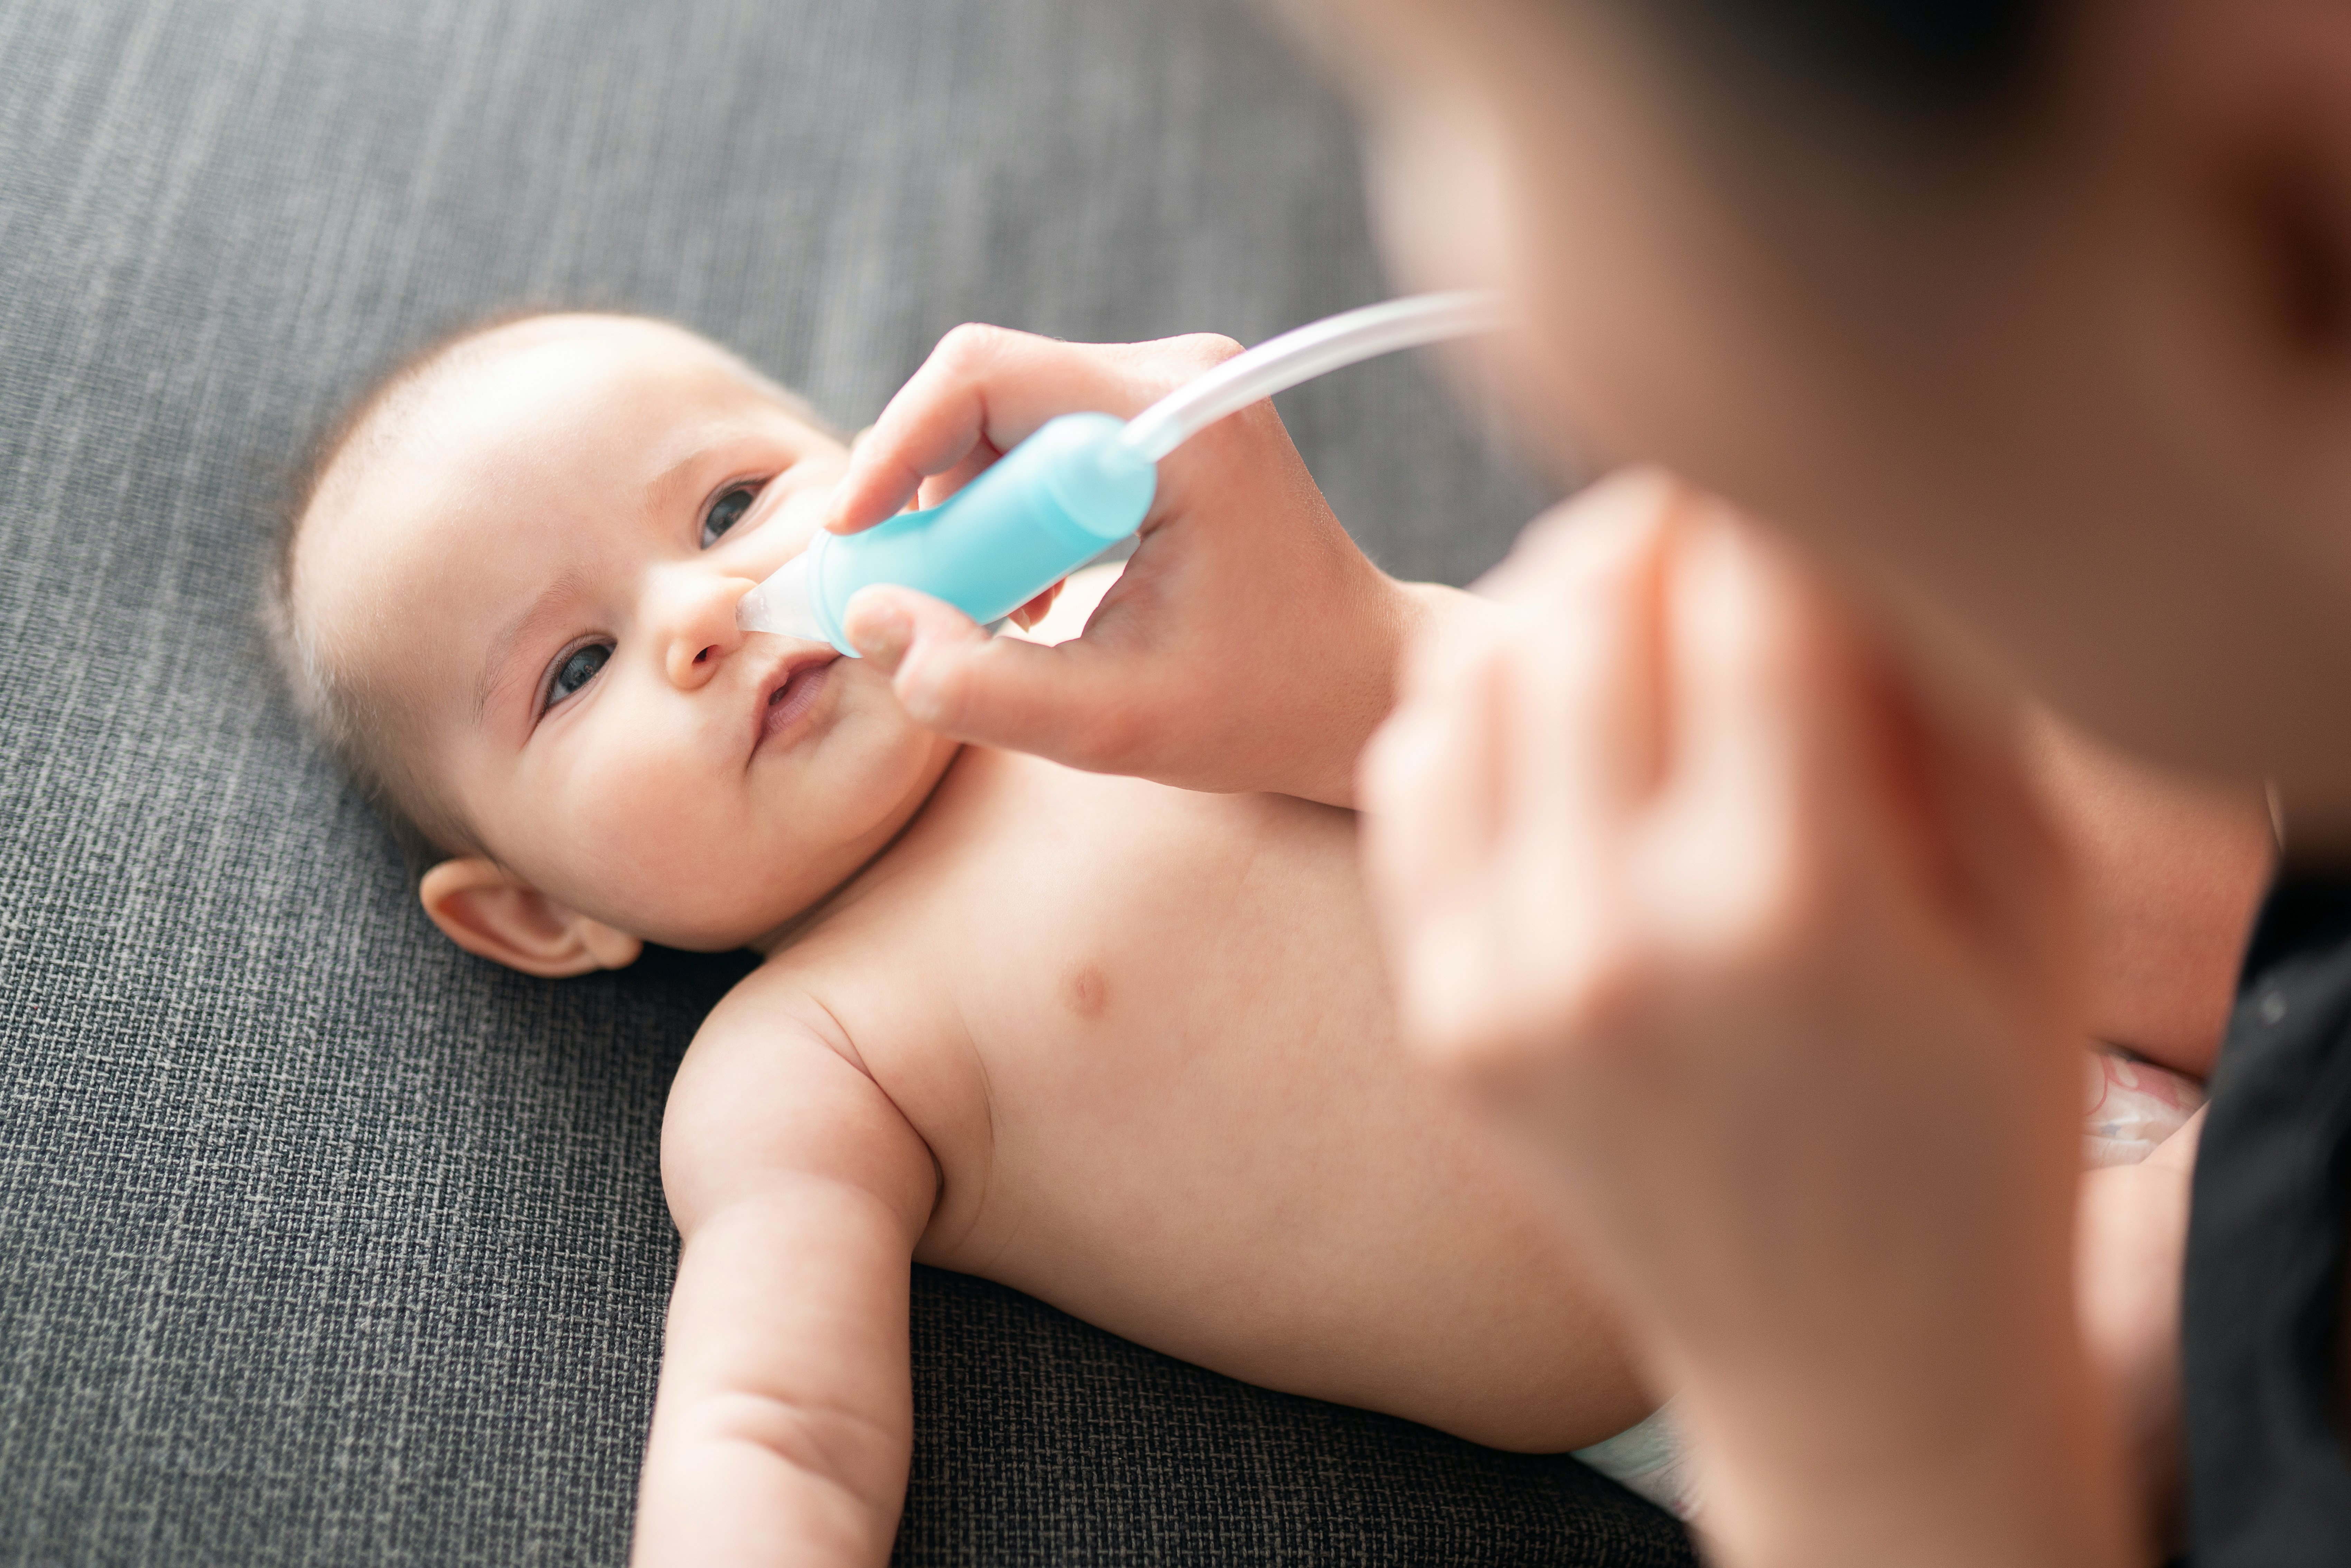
[783, 996]
[773, 1086]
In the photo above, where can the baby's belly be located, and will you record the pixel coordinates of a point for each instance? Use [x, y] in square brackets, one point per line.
[1205, 1138]
[1324, 1237]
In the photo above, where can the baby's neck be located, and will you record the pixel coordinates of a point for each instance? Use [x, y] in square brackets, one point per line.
[844, 891]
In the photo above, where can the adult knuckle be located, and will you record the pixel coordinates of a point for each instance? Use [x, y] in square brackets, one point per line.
[970, 345]
[1156, 369]
[1435, 666]
[1204, 350]
[934, 687]
[1776, 909]
[1597, 992]
[1466, 1037]
[1394, 773]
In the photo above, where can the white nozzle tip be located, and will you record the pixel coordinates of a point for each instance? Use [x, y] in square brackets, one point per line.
[780, 604]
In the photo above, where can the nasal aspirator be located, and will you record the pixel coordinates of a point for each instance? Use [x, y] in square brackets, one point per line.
[1080, 485]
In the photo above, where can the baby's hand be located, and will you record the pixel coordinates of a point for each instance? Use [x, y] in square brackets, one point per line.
[1249, 644]
[1759, 938]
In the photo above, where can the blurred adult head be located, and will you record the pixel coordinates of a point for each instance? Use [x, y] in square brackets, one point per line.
[2037, 314]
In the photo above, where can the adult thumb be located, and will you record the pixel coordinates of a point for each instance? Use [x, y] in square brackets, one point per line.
[952, 677]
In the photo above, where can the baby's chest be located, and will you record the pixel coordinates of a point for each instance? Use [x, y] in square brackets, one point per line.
[1169, 951]
[1111, 981]
[1179, 1081]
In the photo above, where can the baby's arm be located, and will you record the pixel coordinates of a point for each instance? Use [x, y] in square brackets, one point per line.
[784, 1420]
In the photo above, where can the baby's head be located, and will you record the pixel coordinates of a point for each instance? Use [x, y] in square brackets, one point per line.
[507, 601]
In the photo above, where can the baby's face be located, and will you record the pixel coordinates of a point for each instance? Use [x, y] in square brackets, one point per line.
[540, 567]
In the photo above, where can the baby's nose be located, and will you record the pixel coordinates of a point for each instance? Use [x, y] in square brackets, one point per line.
[690, 666]
[702, 631]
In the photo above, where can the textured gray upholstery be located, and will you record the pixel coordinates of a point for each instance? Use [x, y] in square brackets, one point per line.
[318, 1242]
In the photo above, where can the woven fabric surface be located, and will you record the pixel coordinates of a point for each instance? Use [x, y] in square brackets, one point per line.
[320, 1242]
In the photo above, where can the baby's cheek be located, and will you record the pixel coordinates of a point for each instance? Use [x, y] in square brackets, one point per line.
[636, 838]
[709, 856]
[652, 836]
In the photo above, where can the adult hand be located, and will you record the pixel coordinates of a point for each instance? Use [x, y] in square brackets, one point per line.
[1761, 942]
[1248, 645]
[2128, 1263]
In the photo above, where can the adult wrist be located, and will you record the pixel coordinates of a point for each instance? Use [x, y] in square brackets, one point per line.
[1365, 685]
[2025, 1469]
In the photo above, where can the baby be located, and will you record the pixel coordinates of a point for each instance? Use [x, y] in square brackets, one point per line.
[1121, 1046]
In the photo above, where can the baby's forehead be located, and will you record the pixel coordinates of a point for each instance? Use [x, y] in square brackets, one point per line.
[561, 371]
[516, 410]
[532, 397]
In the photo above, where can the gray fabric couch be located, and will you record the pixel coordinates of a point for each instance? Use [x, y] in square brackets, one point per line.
[320, 1242]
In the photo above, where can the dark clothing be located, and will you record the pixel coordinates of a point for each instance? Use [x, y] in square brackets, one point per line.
[2269, 1480]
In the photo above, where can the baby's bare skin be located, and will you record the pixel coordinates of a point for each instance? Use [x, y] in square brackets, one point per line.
[1143, 1034]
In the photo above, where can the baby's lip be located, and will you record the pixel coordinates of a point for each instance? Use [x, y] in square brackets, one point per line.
[787, 693]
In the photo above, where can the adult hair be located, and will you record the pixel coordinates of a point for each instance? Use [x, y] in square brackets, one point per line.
[1930, 67]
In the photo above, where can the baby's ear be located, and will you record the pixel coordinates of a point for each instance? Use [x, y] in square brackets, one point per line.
[481, 907]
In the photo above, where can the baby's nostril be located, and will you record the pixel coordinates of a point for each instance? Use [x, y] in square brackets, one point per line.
[698, 658]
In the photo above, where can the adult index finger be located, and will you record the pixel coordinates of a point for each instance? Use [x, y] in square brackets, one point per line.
[982, 388]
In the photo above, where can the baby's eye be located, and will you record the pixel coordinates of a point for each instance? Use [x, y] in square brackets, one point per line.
[576, 670]
[727, 511]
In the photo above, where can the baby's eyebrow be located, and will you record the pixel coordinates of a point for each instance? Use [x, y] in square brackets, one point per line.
[671, 485]
[566, 587]
[674, 484]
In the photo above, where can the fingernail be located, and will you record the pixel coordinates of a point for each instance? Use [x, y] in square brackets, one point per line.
[881, 632]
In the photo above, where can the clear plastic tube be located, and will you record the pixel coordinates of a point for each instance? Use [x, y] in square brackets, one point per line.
[1315, 349]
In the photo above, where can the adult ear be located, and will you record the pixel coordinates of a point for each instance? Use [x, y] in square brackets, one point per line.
[488, 912]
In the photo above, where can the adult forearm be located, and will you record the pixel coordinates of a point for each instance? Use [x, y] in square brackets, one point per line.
[1342, 704]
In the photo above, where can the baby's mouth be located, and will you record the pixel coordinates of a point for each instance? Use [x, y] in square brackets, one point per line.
[792, 697]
